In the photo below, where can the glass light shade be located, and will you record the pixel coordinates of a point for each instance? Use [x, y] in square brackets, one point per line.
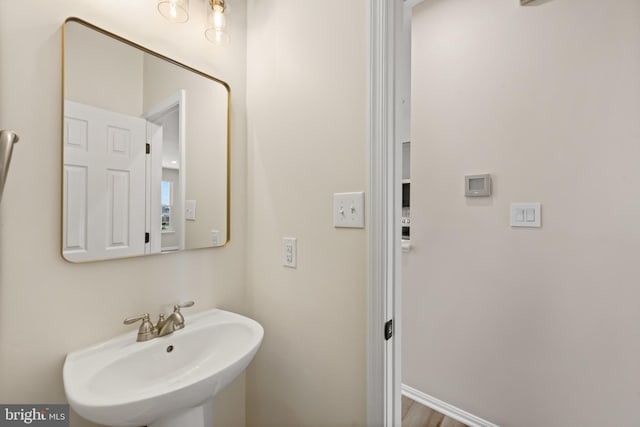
[217, 18]
[174, 10]
[216, 23]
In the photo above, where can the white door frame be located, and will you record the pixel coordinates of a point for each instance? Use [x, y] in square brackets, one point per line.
[388, 59]
[385, 173]
[177, 100]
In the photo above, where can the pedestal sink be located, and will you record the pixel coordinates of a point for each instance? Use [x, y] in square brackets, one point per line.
[164, 382]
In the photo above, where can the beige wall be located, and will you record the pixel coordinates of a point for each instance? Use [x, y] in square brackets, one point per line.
[206, 143]
[307, 85]
[90, 56]
[49, 307]
[526, 327]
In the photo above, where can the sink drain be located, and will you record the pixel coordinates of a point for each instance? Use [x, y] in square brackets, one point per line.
[169, 349]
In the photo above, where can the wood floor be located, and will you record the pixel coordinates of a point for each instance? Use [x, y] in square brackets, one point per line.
[417, 415]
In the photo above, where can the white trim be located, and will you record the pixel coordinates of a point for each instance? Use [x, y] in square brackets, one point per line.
[395, 210]
[182, 146]
[445, 408]
[383, 361]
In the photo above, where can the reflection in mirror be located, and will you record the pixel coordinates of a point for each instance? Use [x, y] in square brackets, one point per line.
[145, 150]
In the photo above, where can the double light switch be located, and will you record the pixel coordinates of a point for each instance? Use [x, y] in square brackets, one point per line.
[348, 210]
[525, 215]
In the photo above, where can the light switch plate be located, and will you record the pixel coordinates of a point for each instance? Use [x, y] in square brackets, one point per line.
[348, 210]
[526, 215]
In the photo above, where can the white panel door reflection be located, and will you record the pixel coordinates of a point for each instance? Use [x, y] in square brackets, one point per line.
[104, 182]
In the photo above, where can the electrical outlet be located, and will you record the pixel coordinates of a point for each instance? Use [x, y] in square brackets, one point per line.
[289, 252]
[190, 210]
[215, 237]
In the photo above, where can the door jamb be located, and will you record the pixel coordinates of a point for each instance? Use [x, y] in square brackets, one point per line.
[383, 361]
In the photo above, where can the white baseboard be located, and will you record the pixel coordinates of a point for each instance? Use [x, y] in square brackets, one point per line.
[444, 408]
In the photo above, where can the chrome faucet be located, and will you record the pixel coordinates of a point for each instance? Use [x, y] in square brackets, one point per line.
[174, 322]
[163, 327]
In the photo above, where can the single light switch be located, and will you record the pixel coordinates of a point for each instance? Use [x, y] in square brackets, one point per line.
[531, 214]
[526, 215]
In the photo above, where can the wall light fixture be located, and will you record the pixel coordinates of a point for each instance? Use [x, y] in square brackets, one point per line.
[216, 10]
[216, 22]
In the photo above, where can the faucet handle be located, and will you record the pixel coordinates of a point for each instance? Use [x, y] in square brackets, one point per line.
[177, 307]
[134, 319]
[179, 318]
[146, 330]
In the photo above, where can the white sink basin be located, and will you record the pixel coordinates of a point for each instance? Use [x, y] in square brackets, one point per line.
[164, 381]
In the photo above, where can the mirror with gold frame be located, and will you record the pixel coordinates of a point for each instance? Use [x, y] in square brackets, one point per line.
[145, 150]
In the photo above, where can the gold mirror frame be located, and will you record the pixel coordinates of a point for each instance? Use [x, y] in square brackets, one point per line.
[145, 50]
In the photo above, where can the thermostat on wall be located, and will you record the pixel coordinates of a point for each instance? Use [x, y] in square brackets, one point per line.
[477, 185]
